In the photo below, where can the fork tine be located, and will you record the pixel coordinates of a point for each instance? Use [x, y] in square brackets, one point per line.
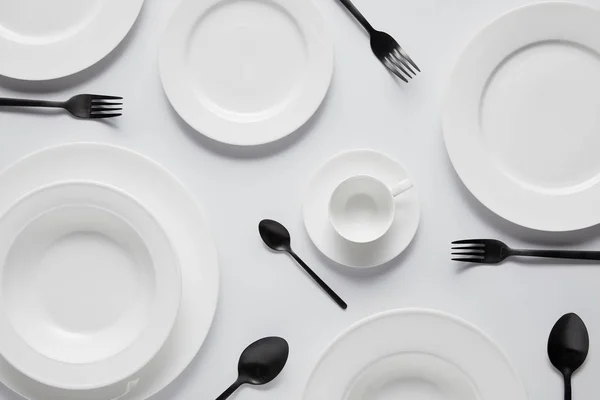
[474, 247]
[102, 97]
[470, 260]
[101, 107]
[470, 241]
[470, 253]
[407, 57]
[105, 109]
[472, 250]
[99, 116]
[106, 103]
[394, 69]
[402, 60]
[398, 64]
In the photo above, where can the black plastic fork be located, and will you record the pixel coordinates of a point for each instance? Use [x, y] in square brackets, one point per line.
[490, 251]
[385, 48]
[86, 106]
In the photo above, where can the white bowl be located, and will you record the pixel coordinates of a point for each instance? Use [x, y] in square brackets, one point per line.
[89, 285]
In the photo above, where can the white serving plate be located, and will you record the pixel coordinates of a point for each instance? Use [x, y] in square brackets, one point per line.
[521, 116]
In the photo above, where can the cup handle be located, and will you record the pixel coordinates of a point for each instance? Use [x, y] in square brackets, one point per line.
[401, 187]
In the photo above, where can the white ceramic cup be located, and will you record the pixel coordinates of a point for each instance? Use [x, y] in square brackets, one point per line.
[362, 208]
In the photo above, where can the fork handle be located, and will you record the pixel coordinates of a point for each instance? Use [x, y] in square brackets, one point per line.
[565, 254]
[8, 102]
[354, 11]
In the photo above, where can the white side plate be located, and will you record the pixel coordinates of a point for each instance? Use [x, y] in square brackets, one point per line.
[181, 218]
[414, 354]
[48, 39]
[246, 72]
[521, 116]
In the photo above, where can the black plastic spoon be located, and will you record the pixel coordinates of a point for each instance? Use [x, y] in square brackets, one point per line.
[568, 347]
[260, 363]
[277, 237]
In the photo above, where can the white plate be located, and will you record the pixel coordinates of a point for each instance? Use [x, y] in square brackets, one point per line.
[178, 213]
[521, 116]
[42, 39]
[316, 209]
[90, 285]
[414, 354]
[246, 72]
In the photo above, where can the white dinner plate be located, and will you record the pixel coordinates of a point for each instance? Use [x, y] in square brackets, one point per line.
[246, 72]
[48, 39]
[185, 225]
[90, 285]
[316, 209]
[521, 116]
[414, 354]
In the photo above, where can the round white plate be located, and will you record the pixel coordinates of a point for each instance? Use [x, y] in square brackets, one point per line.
[414, 354]
[246, 72]
[316, 209]
[185, 225]
[90, 285]
[521, 116]
[41, 39]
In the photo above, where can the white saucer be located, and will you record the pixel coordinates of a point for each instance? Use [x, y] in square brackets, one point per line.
[414, 354]
[522, 133]
[90, 285]
[49, 39]
[181, 218]
[316, 208]
[246, 72]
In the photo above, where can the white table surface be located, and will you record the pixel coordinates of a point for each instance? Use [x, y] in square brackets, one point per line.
[266, 294]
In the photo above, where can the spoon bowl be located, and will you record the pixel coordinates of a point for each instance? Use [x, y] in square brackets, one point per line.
[568, 347]
[260, 363]
[275, 235]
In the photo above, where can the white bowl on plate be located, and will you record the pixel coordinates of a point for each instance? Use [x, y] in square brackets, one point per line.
[90, 285]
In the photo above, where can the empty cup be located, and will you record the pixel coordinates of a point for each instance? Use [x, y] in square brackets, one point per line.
[362, 208]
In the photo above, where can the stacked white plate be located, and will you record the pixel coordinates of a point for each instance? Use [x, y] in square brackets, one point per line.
[414, 354]
[108, 275]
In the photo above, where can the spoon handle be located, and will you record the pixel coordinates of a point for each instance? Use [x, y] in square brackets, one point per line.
[323, 285]
[231, 390]
[567, 387]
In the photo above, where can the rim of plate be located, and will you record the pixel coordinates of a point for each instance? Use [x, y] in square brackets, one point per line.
[415, 311]
[316, 83]
[539, 210]
[200, 285]
[111, 23]
[137, 354]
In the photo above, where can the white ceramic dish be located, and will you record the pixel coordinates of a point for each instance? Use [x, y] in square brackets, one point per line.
[89, 285]
[316, 209]
[179, 215]
[246, 72]
[362, 208]
[42, 39]
[408, 354]
[522, 133]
